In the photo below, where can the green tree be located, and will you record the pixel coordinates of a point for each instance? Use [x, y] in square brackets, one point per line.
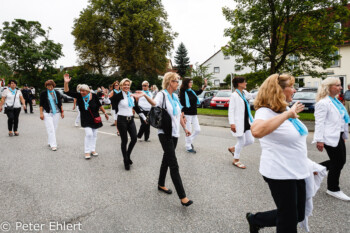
[227, 80]
[199, 74]
[181, 60]
[91, 41]
[136, 32]
[265, 33]
[5, 71]
[26, 48]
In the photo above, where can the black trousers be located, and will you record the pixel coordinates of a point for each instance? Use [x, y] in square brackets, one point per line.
[30, 105]
[144, 128]
[169, 160]
[126, 126]
[337, 156]
[12, 119]
[289, 197]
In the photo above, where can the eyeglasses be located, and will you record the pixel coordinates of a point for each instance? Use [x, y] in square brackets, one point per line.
[116, 85]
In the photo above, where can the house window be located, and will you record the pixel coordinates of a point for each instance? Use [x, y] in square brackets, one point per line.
[294, 59]
[336, 63]
[238, 67]
[217, 82]
[337, 25]
[226, 57]
[216, 70]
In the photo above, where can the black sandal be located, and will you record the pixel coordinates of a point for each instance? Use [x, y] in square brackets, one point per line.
[10, 134]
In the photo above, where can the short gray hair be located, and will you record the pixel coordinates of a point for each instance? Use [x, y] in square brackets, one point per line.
[84, 87]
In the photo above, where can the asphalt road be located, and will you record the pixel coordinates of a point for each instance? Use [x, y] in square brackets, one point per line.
[42, 187]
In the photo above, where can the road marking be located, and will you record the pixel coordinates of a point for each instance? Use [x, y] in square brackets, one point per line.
[113, 134]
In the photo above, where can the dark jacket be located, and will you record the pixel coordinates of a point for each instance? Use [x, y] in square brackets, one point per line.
[193, 101]
[44, 101]
[87, 118]
[27, 94]
[116, 98]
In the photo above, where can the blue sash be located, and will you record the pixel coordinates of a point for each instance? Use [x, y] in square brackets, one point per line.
[52, 103]
[86, 100]
[188, 99]
[341, 109]
[174, 101]
[248, 106]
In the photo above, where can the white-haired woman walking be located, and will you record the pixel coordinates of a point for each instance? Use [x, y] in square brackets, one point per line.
[89, 106]
[331, 130]
[145, 107]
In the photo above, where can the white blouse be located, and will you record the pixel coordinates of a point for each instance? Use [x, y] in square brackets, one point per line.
[125, 110]
[123, 106]
[10, 97]
[144, 105]
[284, 151]
[175, 120]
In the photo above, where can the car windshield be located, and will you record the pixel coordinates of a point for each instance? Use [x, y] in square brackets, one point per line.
[223, 94]
[201, 95]
[305, 95]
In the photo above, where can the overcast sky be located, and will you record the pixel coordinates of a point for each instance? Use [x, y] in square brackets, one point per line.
[200, 23]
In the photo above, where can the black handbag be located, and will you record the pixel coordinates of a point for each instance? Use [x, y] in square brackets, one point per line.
[159, 118]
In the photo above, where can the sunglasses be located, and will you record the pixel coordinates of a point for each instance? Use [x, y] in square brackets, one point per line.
[177, 81]
[145, 85]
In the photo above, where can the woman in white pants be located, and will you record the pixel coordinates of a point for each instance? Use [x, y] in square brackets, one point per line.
[189, 101]
[331, 130]
[89, 106]
[240, 119]
[77, 119]
[50, 111]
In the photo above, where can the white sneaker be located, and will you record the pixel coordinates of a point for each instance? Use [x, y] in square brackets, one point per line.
[94, 154]
[76, 125]
[340, 195]
[87, 156]
[53, 148]
[139, 139]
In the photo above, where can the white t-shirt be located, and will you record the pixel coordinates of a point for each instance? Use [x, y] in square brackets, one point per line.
[123, 106]
[10, 97]
[144, 105]
[175, 120]
[284, 151]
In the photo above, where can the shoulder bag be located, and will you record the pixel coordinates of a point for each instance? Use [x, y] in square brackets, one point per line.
[9, 109]
[159, 118]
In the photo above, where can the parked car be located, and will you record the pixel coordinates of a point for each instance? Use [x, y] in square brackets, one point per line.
[205, 98]
[221, 100]
[65, 98]
[1, 91]
[306, 97]
[251, 101]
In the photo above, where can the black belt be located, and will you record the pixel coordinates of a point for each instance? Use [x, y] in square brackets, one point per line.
[128, 118]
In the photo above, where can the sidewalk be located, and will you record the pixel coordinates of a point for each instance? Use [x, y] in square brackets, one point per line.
[222, 121]
[217, 121]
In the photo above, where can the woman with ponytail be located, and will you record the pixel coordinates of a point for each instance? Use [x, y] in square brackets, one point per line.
[283, 162]
[50, 111]
[189, 101]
